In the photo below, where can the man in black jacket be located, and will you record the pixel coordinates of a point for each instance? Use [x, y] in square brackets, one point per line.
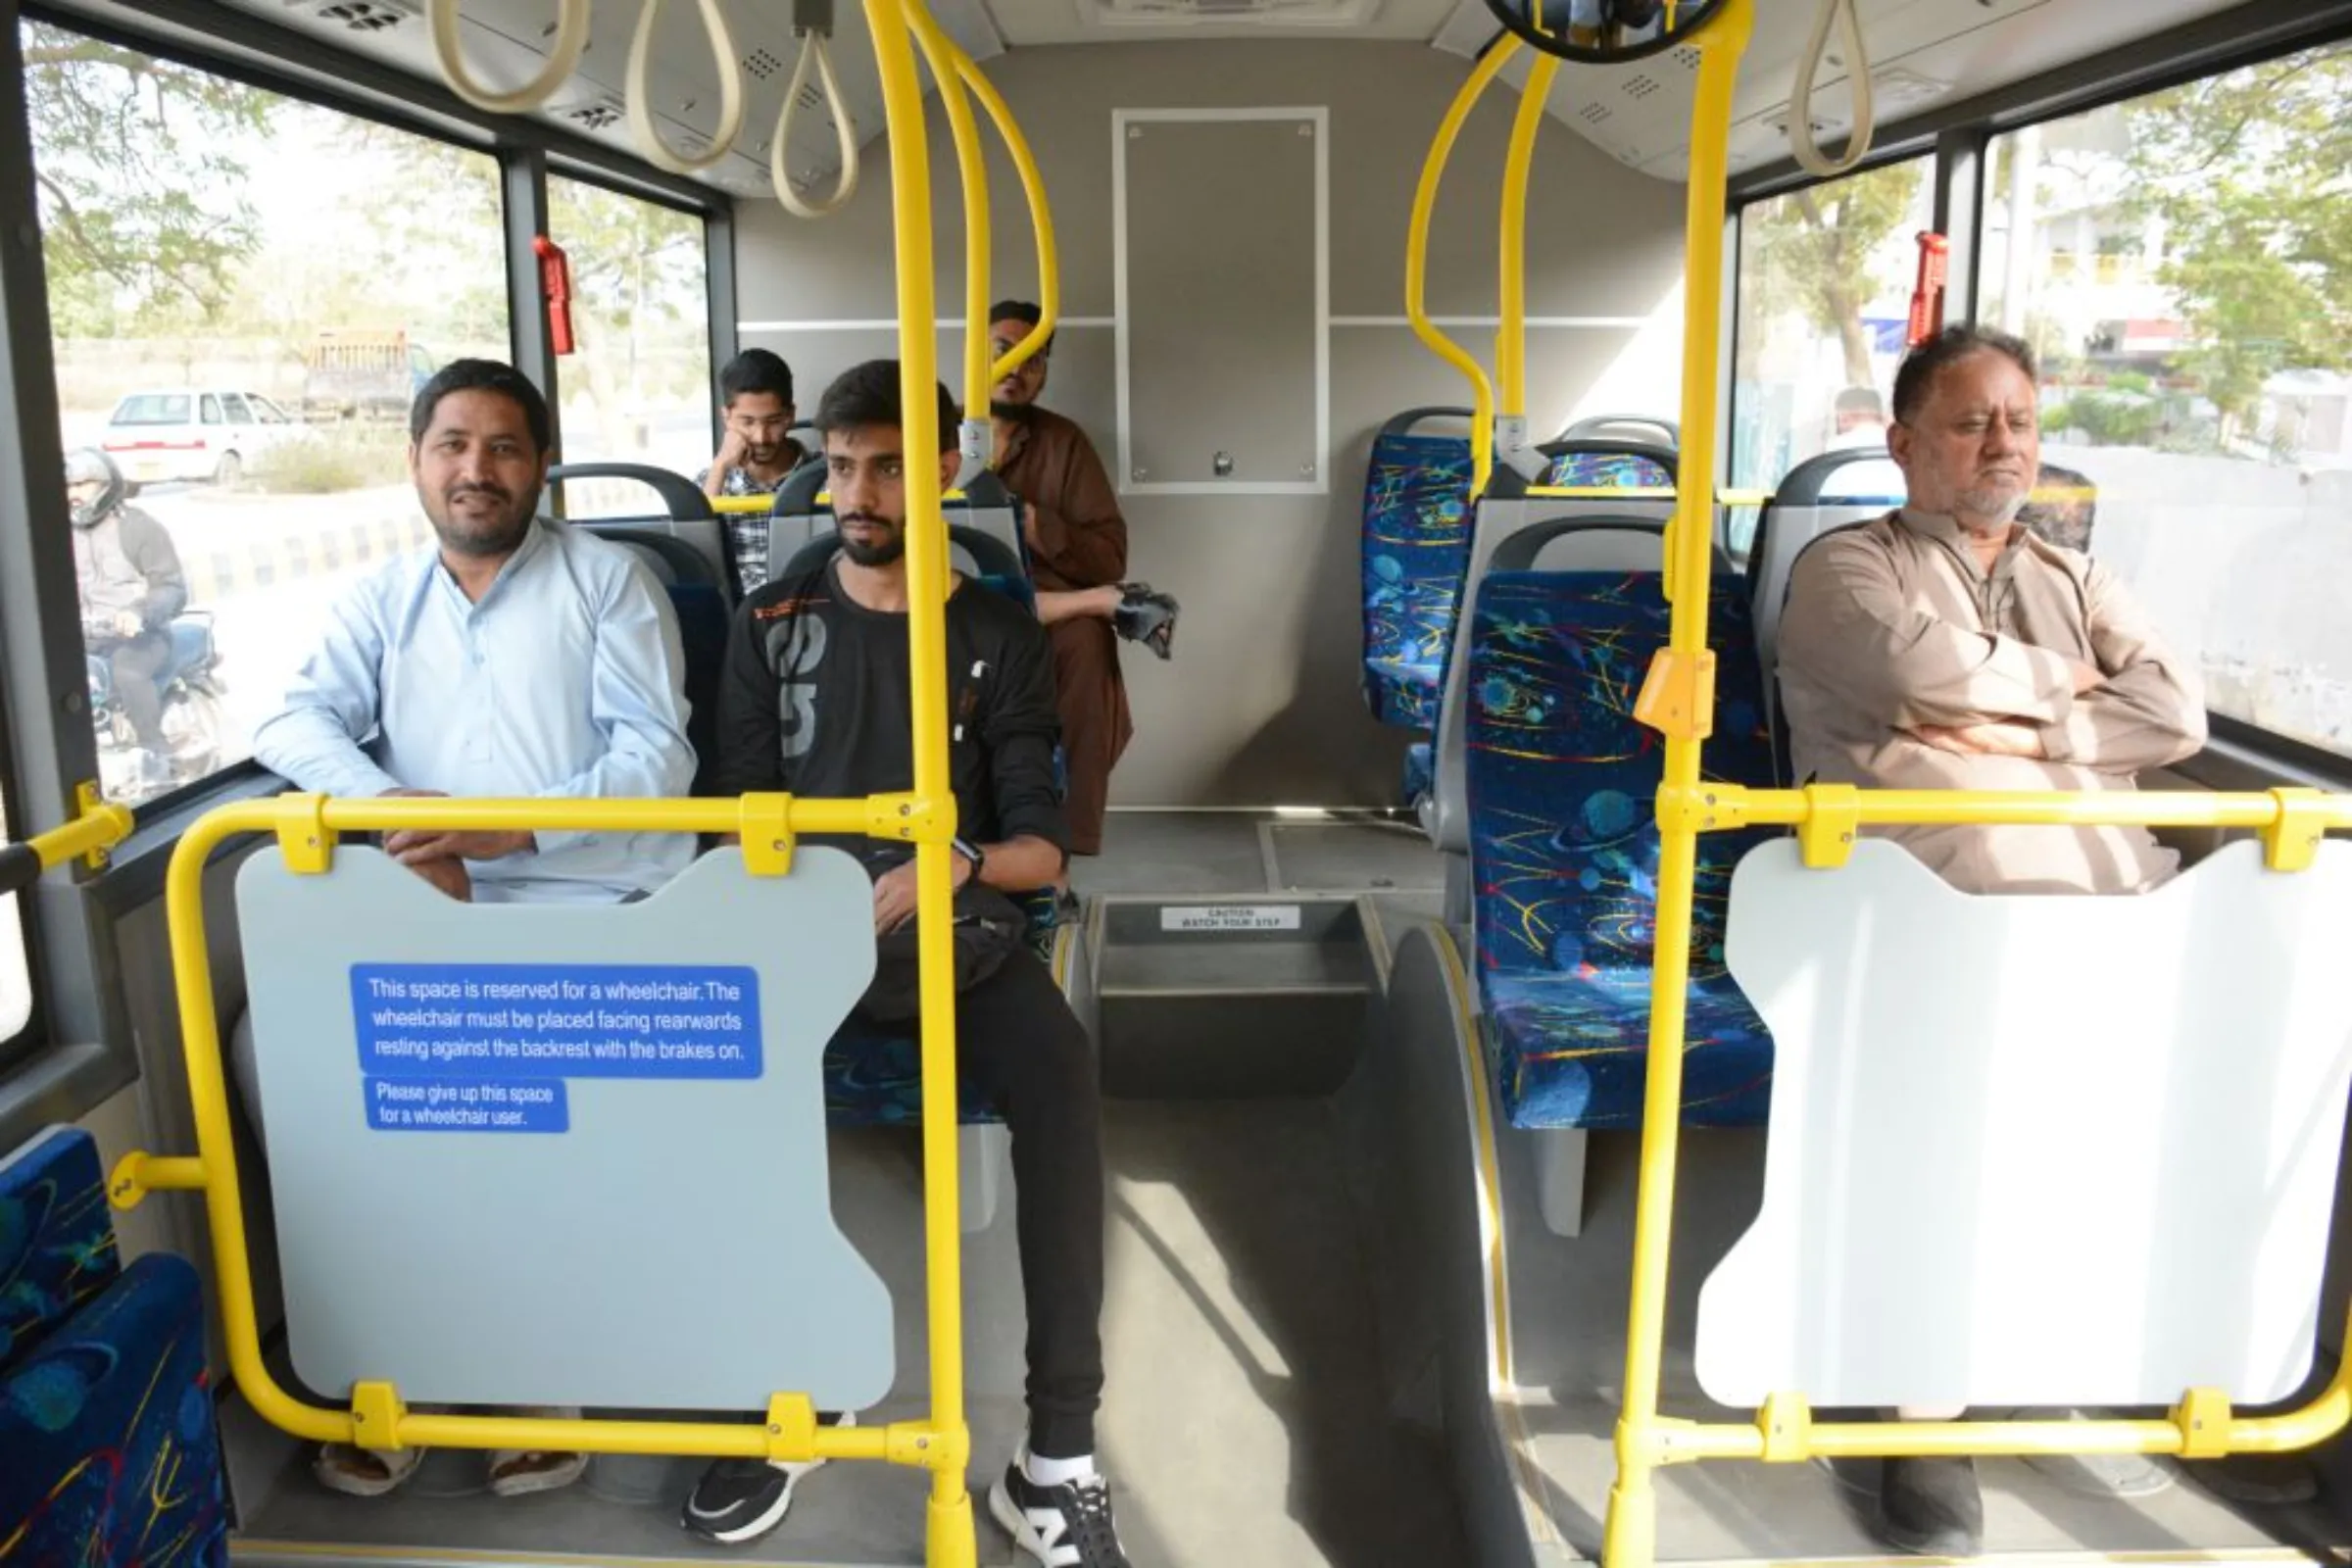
[816, 701]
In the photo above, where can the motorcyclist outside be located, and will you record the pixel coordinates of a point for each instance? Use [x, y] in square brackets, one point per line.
[131, 586]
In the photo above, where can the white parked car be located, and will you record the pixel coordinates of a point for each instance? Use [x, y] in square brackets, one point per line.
[194, 433]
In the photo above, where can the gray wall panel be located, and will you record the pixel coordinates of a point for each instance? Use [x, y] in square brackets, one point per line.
[1261, 704]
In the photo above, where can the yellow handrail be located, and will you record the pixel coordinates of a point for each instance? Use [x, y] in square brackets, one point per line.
[1041, 215]
[950, 1542]
[307, 826]
[971, 167]
[1679, 700]
[1416, 264]
[100, 827]
[1511, 334]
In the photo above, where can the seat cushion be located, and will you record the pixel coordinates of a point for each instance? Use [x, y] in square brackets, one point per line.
[113, 1456]
[874, 1075]
[57, 1237]
[1416, 548]
[1615, 470]
[1564, 850]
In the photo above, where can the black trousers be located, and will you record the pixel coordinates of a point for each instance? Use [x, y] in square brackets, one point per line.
[1018, 1041]
[135, 662]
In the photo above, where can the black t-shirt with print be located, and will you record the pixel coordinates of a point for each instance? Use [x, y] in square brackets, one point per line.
[816, 701]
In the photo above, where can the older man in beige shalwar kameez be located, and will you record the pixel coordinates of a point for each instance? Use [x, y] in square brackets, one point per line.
[1947, 647]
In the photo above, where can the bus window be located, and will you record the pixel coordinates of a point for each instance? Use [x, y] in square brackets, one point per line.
[2176, 262]
[639, 388]
[1824, 307]
[317, 229]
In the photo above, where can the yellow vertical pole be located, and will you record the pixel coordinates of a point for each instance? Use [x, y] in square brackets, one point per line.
[972, 170]
[1041, 215]
[1510, 333]
[1416, 265]
[949, 1540]
[1631, 1537]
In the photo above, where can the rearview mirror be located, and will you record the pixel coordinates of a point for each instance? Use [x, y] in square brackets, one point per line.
[1599, 32]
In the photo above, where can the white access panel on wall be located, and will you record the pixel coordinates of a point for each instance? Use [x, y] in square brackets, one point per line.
[1222, 246]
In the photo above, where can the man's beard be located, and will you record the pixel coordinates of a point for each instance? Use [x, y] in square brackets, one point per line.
[999, 408]
[880, 552]
[482, 537]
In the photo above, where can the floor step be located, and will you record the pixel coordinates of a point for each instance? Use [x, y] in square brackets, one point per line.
[1232, 997]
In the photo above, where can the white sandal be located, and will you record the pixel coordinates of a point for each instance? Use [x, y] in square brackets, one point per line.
[358, 1472]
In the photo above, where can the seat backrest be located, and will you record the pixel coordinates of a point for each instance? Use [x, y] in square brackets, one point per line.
[59, 1250]
[681, 499]
[696, 574]
[1416, 542]
[1562, 782]
[1616, 464]
[1523, 535]
[2065, 506]
[984, 523]
[1642, 426]
[981, 556]
[1820, 494]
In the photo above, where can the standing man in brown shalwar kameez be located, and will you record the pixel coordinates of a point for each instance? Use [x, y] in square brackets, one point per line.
[1077, 552]
[1946, 645]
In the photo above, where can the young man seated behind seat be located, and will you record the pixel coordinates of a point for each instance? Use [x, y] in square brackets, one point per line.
[1946, 645]
[513, 656]
[816, 701]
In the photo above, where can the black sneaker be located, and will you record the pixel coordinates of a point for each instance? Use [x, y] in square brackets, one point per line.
[1932, 1508]
[1069, 1526]
[739, 1501]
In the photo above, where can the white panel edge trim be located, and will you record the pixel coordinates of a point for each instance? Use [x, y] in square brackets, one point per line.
[1625, 322]
[1239, 487]
[890, 325]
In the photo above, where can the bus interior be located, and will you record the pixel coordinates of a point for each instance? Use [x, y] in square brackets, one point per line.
[1383, 317]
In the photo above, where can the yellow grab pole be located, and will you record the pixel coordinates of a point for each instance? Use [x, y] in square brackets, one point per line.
[1041, 217]
[1416, 264]
[972, 168]
[949, 1540]
[1681, 692]
[1511, 334]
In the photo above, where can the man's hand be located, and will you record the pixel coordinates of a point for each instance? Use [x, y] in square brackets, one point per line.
[2087, 677]
[417, 847]
[450, 876]
[732, 450]
[894, 892]
[2003, 739]
[127, 623]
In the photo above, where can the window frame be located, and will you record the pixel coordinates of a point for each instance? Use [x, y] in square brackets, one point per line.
[1958, 138]
[77, 1048]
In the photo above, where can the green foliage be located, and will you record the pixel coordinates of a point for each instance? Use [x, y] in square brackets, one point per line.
[2248, 171]
[142, 223]
[326, 461]
[1811, 251]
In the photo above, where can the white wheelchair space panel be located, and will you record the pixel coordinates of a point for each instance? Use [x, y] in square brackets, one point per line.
[562, 1153]
[2037, 1150]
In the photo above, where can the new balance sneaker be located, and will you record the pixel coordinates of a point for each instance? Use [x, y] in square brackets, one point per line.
[739, 1501]
[1069, 1526]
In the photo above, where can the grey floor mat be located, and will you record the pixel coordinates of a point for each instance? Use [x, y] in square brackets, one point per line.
[1348, 855]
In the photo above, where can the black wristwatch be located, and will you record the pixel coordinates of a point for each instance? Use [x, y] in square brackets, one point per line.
[971, 851]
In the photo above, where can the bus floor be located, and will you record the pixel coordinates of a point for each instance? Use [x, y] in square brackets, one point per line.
[1244, 1421]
